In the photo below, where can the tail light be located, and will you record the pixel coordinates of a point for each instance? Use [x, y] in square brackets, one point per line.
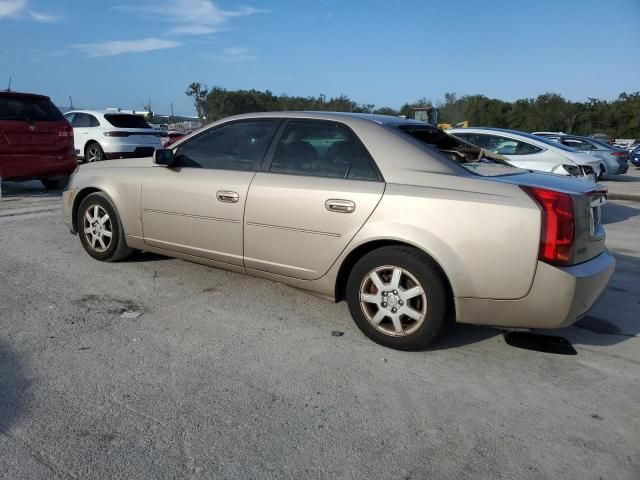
[116, 134]
[619, 154]
[65, 132]
[558, 225]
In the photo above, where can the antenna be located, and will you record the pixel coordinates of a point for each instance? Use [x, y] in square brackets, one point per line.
[9, 87]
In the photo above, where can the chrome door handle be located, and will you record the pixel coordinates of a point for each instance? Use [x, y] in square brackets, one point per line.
[340, 206]
[228, 197]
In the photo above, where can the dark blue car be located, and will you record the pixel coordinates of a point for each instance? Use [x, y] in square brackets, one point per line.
[635, 156]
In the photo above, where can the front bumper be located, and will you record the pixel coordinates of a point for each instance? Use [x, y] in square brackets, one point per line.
[67, 208]
[558, 297]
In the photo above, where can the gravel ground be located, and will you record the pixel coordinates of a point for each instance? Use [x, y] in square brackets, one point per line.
[228, 376]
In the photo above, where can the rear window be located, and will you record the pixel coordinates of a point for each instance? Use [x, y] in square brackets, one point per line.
[126, 121]
[463, 153]
[31, 109]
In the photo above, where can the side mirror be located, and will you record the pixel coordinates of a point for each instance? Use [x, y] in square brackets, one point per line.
[163, 157]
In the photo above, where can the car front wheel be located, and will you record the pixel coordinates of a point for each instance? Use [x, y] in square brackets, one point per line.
[397, 296]
[100, 229]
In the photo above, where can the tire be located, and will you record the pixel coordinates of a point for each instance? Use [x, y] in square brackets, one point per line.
[603, 172]
[57, 184]
[93, 233]
[417, 270]
[93, 153]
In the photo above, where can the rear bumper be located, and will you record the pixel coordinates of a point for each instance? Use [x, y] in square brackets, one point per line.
[138, 152]
[37, 165]
[558, 297]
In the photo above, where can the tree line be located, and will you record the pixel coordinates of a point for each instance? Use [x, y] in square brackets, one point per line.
[619, 118]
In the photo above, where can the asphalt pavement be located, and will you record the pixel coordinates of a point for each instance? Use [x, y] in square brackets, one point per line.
[228, 376]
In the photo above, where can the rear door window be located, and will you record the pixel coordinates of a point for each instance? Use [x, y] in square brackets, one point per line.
[122, 120]
[322, 149]
[31, 109]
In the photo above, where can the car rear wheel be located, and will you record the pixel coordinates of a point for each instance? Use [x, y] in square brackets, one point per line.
[398, 298]
[100, 229]
[93, 153]
[55, 184]
[603, 171]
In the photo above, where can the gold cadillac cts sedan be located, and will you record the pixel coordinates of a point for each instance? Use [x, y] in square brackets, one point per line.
[412, 227]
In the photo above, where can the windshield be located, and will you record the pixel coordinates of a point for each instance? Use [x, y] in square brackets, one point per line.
[473, 158]
[31, 109]
[121, 120]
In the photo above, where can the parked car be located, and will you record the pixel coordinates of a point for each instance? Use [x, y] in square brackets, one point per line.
[409, 225]
[635, 156]
[531, 152]
[613, 160]
[108, 134]
[36, 142]
[603, 137]
[171, 137]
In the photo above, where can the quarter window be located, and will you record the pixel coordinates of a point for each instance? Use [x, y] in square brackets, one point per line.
[81, 120]
[235, 146]
[322, 149]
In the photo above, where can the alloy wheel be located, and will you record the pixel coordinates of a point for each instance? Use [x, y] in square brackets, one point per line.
[94, 154]
[393, 301]
[97, 228]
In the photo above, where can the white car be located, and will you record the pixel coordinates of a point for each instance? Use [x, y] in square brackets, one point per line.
[107, 134]
[531, 152]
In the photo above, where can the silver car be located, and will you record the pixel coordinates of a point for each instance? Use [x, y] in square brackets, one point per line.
[613, 161]
[412, 227]
[532, 152]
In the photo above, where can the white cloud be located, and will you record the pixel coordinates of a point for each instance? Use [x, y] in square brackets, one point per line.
[191, 17]
[10, 8]
[16, 9]
[117, 47]
[230, 54]
[43, 17]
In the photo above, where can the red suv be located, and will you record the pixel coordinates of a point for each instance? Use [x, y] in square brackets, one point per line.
[35, 140]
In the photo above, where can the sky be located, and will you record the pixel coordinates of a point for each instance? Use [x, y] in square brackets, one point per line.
[123, 53]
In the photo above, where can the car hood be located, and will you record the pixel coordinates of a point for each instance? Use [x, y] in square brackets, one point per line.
[120, 163]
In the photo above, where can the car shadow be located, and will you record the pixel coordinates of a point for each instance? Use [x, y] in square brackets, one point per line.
[31, 188]
[623, 178]
[13, 384]
[141, 256]
[460, 335]
[615, 318]
[616, 212]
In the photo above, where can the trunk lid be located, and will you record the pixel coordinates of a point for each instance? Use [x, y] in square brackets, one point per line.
[588, 199]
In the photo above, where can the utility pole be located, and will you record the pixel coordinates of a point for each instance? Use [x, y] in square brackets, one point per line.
[70, 103]
[171, 109]
[9, 88]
